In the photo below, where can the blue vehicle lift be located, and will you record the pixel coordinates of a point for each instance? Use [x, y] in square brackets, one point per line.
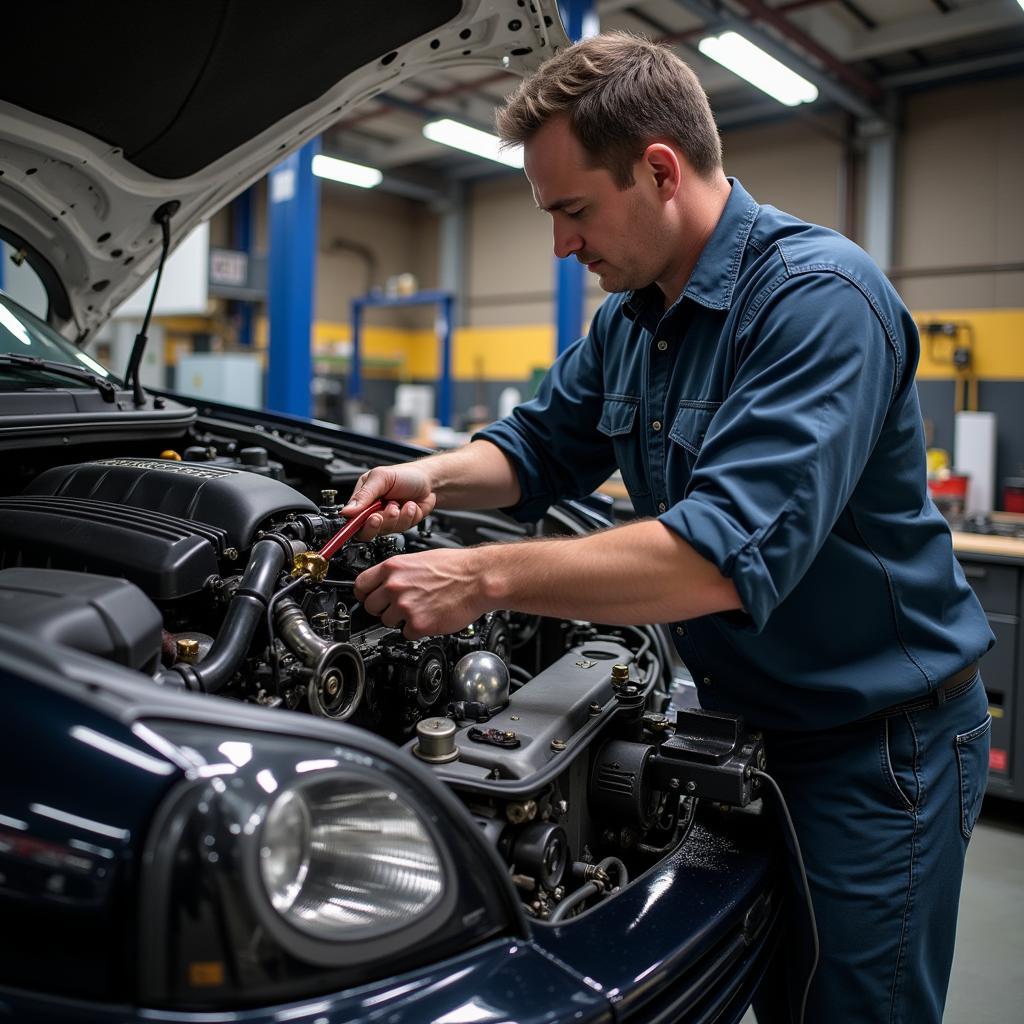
[294, 199]
[570, 274]
[443, 325]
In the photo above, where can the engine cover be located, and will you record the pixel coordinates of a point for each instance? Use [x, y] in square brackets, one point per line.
[233, 500]
[96, 614]
[166, 526]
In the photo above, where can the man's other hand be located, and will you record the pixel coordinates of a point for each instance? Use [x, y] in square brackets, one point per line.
[406, 491]
[425, 594]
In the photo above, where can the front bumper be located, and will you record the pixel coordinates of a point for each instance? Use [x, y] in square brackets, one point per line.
[503, 981]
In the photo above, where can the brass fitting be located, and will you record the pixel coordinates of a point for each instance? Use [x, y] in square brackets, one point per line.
[186, 650]
[170, 454]
[309, 563]
[620, 675]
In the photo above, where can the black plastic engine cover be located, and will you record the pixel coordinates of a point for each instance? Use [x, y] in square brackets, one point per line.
[166, 526]
[232, 500]
[99, 615]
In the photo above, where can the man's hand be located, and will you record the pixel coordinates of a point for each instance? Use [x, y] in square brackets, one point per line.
[426, 594]
[407, 493]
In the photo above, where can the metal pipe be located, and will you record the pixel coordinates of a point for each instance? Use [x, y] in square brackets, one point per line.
[1007, 267]
[297, 632]
[339, 676]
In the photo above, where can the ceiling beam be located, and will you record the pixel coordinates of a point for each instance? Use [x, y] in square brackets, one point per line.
[786, 28]
[717, 19]
[931, 29]
[955, 69]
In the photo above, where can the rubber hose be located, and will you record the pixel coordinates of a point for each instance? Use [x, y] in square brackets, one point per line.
[243, 616]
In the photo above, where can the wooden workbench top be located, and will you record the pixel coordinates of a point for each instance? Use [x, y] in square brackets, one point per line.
[984, 544]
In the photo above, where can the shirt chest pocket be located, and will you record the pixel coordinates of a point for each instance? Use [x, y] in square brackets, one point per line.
[689, 426]
[619, 422]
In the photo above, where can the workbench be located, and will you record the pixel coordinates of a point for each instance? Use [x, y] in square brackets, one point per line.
[994, 567]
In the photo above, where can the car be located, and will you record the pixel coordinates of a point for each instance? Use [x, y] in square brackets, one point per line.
[226, 791]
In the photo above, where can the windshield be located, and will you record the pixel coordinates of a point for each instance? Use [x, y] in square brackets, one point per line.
[23, 334]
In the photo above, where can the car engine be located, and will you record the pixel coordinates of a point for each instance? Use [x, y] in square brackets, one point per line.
[207, 574]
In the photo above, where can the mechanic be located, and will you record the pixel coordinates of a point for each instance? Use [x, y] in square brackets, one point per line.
[752, 376]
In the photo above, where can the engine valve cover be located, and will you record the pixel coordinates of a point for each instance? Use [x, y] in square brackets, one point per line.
[166, 526]
[233, 500]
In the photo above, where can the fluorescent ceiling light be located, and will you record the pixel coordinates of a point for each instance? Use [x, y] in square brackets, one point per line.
[345, 172]
[748, 61]
[472, 140]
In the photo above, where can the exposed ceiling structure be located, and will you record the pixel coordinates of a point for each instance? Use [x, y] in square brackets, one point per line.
[860, 54]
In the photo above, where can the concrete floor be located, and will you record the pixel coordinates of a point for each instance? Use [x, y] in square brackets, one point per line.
[987, 984]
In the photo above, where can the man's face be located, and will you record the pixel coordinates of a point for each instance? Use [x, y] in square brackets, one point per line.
[617, 233]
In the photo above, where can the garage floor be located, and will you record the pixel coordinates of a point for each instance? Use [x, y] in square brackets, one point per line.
[987, 985]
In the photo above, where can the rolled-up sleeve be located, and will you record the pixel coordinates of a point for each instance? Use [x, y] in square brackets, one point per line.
[552, 441]
[814, 380]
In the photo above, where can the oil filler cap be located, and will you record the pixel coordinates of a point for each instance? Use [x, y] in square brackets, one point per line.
[435, 740]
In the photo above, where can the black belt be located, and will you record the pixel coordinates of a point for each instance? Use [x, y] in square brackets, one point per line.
[949, 689]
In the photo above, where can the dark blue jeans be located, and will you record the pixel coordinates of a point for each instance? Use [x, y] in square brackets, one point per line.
[883, 811]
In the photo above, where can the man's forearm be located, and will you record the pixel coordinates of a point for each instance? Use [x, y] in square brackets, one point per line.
[475, 476]
[639, 573]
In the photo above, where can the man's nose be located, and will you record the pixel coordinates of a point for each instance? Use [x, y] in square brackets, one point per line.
[567, 241]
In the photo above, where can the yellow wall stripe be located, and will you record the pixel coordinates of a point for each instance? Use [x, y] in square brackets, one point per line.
[514, 352]
[997, 352]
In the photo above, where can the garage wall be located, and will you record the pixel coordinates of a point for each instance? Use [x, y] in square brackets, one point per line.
[796, 166]
[959, 198]
[401, 233]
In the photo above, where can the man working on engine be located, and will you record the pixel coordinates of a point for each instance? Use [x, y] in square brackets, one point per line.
[752, 376]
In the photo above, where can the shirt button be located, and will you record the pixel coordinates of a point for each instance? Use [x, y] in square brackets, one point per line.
[707, 680]
[662, 345]
[656, 426]
[680, 631]
[662, 507]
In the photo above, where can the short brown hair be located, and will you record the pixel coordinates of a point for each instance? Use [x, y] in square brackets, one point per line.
[621, 92]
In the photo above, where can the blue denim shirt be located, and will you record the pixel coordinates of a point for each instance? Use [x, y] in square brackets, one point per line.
[769, 417]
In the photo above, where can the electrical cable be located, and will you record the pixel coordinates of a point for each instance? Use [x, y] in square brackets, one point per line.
[620, 869]
[580, 896]
[803, 878]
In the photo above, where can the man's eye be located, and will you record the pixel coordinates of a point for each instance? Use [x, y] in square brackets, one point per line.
[575, 213]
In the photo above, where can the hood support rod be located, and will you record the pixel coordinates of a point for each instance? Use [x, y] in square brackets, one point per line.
[162, 216]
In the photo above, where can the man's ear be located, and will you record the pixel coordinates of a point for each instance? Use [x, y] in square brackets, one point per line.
[663, 166]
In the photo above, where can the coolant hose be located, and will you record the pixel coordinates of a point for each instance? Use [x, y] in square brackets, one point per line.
[246, 610]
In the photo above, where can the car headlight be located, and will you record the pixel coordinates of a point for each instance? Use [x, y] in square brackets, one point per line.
[340, 858]
[288, 866]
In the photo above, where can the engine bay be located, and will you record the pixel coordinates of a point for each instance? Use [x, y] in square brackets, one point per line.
[204, 570]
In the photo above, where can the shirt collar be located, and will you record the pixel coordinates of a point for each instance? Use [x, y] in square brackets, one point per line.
[714, 277]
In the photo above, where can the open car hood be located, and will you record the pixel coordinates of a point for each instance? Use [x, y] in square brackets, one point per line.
[107, 113]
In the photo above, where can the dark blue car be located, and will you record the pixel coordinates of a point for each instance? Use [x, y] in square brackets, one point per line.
[227, 793]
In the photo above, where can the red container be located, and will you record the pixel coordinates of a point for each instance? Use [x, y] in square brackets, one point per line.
[949, 492]
[1013, 494]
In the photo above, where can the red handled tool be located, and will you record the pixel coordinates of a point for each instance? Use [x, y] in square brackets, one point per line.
[314, 563]
[349, 530]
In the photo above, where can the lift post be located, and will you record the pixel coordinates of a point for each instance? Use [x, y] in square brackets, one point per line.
[443, 325]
